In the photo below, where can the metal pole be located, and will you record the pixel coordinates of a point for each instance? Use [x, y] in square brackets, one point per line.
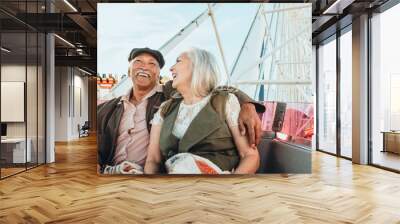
[274, 82]
[245, 41]
[275, 50]
[184, 32]
[338, 97]
[210, 13]
[287, 9]
[316, 115]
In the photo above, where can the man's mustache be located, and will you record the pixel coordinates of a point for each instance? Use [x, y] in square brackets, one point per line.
[142, 72]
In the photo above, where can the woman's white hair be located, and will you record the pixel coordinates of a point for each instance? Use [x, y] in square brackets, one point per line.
[205, 71]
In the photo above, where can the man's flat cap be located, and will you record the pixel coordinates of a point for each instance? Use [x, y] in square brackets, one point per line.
[156, 54]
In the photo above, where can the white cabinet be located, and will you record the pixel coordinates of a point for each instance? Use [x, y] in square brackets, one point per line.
[15, 148]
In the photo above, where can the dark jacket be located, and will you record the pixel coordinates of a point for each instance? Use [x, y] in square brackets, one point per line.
[207, 136]
[109, 116]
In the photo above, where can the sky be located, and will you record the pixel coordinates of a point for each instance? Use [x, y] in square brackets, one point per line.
[123, 26]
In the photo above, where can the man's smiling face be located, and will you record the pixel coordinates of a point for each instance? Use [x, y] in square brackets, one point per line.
[144, 71]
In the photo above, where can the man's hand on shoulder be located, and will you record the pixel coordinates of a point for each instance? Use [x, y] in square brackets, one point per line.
[250, 124]
[229, 89]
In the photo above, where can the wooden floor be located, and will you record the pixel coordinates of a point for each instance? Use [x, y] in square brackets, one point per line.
[8, 171]
[5, 172]
[70, 191]
[387, 159]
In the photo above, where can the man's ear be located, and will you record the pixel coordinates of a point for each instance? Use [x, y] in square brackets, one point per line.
[159, 76]
[129, 68]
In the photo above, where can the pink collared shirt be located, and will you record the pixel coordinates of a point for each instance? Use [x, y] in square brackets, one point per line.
[133, 136]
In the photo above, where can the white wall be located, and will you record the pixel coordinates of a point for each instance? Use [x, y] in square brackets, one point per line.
[33, 127]
[61, 103]
[13, 73]
[80, 103]
[70, 84]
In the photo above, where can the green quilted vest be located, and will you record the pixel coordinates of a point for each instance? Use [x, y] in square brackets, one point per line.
[208, 135]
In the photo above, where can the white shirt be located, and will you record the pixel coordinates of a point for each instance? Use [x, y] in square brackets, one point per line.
[187, 112]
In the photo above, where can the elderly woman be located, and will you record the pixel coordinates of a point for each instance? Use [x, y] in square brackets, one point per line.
[200, 121]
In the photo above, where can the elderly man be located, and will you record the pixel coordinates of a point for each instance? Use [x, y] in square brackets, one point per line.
[124, 122]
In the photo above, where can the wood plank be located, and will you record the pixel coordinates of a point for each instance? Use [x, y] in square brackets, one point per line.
[70, 191]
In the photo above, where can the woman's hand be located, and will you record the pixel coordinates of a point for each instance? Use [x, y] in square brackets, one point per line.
[153, 159]
[249, 157]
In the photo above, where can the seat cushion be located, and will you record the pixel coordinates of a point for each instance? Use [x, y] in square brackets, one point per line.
[280, 157]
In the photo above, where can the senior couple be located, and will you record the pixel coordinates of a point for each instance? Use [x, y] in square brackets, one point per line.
[187, 126]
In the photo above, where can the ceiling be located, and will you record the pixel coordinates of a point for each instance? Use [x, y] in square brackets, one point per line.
[329, 16]
[76, 40]
[76, 22]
